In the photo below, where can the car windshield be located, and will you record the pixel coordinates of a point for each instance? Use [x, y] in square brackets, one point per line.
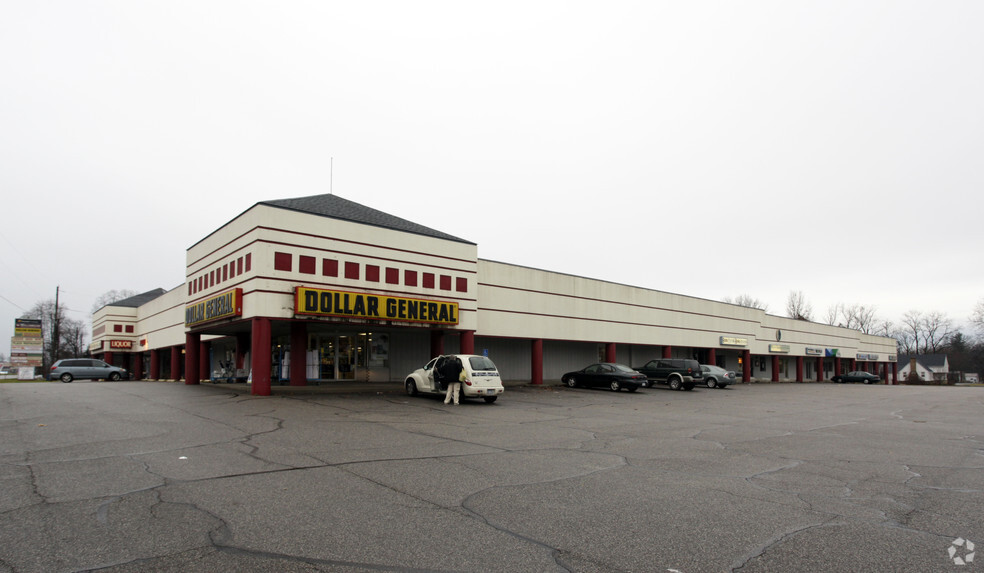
[623, 368]
[480, 363]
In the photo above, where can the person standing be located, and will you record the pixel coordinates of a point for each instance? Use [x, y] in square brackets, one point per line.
[453, 373]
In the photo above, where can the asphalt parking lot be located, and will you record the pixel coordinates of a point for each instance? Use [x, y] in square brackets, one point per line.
[155, 476]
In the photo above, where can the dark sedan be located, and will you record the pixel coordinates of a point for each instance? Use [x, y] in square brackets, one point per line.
[857, 376]
[607, 374]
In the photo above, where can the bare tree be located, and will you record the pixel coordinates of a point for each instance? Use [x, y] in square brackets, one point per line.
[110, 297]
[937, 332]
[832, 313]
[860, 317]
[74, 334]
[747, 301]
[45, 311]
[977, 318]
[912, 327]
[904, 340]
[797, 307]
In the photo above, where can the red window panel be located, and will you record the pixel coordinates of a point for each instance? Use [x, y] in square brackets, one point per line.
[329, 267]
[282, 261]
[129, 328]
[218, 275]
[352, 270]
[428, 280]
[239, 266]
[200, 282]
[372, 273]
[117, 328]
[225, 273]
[249, 261]
[307, 264]
[232, 269]
[461, 284]
[445, 282]
[392, 276]
[191, 288]
[211, 279]
[410, 278]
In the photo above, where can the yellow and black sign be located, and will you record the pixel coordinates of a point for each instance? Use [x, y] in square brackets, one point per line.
[318, 302]
[225, 305]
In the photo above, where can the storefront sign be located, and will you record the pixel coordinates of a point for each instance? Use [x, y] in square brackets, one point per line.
[121, 344]
[27, 327]
[831, 352]
[814, 351]
[862, 356]
[778, 348]
[891, 358]
[225, 305]
[318, 302]
[733, 341]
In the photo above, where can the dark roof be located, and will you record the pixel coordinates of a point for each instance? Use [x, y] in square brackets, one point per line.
[927, 360]
[139, 299]
[336, 207]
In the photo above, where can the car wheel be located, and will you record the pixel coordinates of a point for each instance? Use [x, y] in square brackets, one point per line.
[615, 386]
[571, 382]
[867, 381]
[411, 388]
[712, 383]
[490, 399]
[114, 377]
[66, 378]
[674, 383]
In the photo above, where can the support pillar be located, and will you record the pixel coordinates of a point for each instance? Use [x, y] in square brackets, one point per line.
[712, 356]
[136, 366]
[175, 363]
[437, 343]
[467, 343]
[799, 368]
[108, 358]
[260, 357]
[837, 366]
[667, 352]
[155, 364]
[205, 361]
[298, 353]
[895, 373]
[885, 373]
[775, 368]
[610, 354]
[746, 366]
[193, 343]
[819, 368]
[536, 361]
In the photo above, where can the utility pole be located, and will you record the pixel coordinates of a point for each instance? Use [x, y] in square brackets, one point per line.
[56, 328]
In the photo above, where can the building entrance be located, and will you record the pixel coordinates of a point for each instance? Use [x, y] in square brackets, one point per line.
[344, 356]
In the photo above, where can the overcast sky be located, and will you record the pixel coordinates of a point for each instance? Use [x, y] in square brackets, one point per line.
[711, 149]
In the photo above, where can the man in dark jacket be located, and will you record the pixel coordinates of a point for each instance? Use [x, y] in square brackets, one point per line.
[451, 373]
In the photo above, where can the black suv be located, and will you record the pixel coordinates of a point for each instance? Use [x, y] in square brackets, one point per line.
[677, 373]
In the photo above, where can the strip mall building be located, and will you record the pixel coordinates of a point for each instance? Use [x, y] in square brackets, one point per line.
[316, 290]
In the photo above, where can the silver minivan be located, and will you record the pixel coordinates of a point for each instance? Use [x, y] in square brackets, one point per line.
[85, 369]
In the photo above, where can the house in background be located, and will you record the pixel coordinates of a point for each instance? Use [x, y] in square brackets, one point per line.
[929, 367]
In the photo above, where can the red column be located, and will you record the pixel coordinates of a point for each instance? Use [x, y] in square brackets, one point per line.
[895, 373]
[667, 352]
[819, 368]
[175, 363]
[853, 363]
[467, 343]
[885, 373]
[193, 343]
[746, 366]
[799, 368]
[437, 343]
[136, 366]
[536, 361]
[205, 360]
[775, 368]
[864, 367]
[298, 354]
[712, 356]
[155, 364]
[610, 355]
[837, 366]
[108, 358]
[260, 356]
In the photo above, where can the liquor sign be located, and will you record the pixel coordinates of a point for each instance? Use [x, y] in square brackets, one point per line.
[319, 302]
[121, 344]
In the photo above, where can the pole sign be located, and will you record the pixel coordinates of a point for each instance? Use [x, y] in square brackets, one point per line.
[320, 302]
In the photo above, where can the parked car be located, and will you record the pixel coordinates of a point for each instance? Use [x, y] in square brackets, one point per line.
[607, 374]
[677, 373]
[482, 378]
[717, 377]
[85, 369]
[857, 376]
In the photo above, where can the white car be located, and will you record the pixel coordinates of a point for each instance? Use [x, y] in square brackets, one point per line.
[482, 378]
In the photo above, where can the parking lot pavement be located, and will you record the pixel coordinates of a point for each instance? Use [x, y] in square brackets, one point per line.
[151, 476]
